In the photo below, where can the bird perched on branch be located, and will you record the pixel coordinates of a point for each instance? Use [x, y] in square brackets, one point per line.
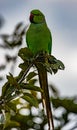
[39, 39]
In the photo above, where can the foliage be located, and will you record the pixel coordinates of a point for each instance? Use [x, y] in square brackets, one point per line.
[21, 93]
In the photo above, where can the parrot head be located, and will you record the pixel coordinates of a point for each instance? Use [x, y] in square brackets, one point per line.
[36, 16]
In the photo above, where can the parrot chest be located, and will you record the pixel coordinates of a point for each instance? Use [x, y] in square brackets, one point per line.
[38, 38]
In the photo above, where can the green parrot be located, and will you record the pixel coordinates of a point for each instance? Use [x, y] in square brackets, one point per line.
[39, 39]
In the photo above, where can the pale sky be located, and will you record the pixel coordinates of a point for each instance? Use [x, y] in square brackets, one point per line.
[61, 17]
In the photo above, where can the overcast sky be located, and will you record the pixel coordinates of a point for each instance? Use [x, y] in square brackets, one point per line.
[61, 17]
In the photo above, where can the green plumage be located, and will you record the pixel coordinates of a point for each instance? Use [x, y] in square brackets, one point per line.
[38, 38]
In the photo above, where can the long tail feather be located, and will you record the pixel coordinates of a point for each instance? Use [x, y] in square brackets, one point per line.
[45, 95]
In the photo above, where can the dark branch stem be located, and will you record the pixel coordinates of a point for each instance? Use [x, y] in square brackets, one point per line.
[26, 71]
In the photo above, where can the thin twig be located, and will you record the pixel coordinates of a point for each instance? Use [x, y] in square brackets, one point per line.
[26, 71]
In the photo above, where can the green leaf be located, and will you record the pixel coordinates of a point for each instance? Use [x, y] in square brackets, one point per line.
[12, 105]
[48, 67]
[12, 80]
[65, 103]
[24, 65]
[10, 123]
[30, 87]
[54, 68]
[31, 99]
[52, 64]
[20, 75]
[25, 54]
[4, 89]
[61, 65]
[10, 87]
[51, 59]
[31, 75]
[32, 81]
[55, 71]
[7, 91]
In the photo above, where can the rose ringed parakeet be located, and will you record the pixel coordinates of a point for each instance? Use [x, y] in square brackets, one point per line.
[38, 39]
